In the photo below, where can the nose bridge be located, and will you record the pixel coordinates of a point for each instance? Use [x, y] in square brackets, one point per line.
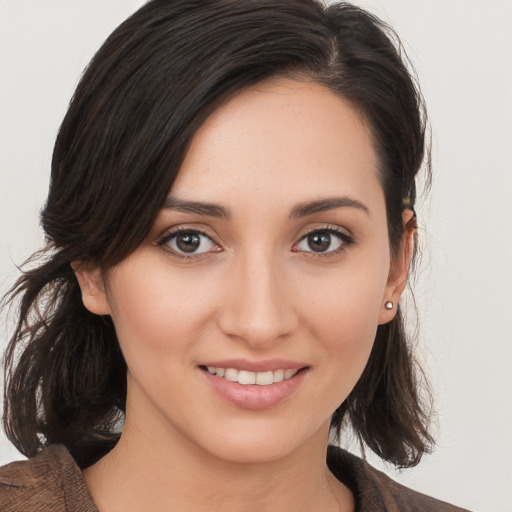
[259, 308]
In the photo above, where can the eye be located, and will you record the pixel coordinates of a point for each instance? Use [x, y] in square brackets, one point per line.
[188, 242]
[324, 241]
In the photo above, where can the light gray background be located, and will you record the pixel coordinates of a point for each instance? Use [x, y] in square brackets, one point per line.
[462, 50]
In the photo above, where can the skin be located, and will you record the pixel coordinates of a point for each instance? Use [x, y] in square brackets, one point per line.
[256, 291]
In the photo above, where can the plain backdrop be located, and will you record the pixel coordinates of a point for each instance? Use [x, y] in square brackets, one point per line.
[462, 51]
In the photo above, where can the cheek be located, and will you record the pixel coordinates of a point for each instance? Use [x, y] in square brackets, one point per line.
[348, 298]
[342, 314]
[157, 311]
[345, 329]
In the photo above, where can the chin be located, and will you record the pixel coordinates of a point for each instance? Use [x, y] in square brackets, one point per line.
[253, 452]
[262, 443]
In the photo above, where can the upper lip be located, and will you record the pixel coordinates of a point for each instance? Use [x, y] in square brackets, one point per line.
[266, 365]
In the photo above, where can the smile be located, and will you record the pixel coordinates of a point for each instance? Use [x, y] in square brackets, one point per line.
[252, 385]
[250, 378]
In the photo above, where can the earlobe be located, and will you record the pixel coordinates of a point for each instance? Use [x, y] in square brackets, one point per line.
[92, 286]
[397, 280]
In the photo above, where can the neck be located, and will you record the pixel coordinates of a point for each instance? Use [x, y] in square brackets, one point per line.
[151, 465]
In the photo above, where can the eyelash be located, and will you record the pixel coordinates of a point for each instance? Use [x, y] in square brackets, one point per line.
[165, 239]
[346, 240]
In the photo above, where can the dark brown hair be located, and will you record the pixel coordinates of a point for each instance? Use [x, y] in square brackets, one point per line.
[119, 149]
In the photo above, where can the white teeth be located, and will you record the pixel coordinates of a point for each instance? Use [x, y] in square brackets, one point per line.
[289, 373]
[231, 374]
[248, 378]
[264, 378]
[278, 375]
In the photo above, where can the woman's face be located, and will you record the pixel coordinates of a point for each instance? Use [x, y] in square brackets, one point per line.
[271, 254]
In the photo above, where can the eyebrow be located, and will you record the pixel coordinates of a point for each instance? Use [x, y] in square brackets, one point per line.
[299, 211]
[197, 207]
[323, 205]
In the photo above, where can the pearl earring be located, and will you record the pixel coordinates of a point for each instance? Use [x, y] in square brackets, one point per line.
[388, 304]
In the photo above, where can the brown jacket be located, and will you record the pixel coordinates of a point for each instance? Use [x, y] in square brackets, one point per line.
[52, 482]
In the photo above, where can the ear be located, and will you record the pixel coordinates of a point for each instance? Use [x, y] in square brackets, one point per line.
[397, 279]
[92, 285]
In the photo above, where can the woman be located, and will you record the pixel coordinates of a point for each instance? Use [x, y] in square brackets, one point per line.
[230, 226]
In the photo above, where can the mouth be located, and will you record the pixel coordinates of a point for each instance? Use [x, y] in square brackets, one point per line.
[254, 385]
[248, 378]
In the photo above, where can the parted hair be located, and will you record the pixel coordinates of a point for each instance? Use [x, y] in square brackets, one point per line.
[118, 151]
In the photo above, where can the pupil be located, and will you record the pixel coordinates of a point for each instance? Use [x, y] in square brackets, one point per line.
[188, 242]
[319, 242]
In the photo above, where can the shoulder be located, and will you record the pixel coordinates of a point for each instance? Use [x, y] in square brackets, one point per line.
[51, 481]
[375, 491]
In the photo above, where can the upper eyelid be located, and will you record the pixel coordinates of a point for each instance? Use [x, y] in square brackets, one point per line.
[175, 230]
[205, 231]
[331, 228]
[170, 233]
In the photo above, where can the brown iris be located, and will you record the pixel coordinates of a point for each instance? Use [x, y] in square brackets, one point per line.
[188, 242]
[319, 242]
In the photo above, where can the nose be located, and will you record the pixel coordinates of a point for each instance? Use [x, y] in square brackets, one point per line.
[258, 306]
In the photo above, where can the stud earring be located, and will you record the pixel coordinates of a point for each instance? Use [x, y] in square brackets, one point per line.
[388, 304]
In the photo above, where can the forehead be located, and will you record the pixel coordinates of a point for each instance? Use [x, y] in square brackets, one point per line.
[280, 141]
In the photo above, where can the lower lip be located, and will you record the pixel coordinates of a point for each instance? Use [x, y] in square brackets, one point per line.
[253, 396]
